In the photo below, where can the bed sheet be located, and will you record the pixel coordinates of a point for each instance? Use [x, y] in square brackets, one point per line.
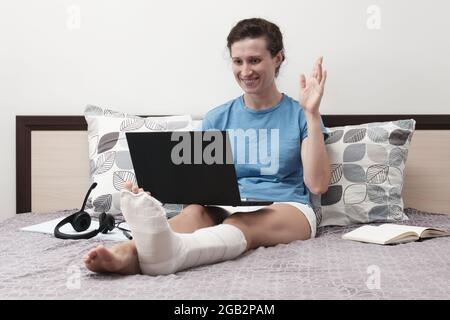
[39, 266]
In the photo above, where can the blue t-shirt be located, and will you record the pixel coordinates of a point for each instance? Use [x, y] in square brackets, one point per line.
[266, 147]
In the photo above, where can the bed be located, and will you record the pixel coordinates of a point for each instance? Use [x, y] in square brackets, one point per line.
[52, 176]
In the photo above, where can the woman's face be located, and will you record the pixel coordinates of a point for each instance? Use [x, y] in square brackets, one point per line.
[253, 66]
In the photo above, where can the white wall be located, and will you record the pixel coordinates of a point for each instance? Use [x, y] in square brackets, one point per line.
[159, 57]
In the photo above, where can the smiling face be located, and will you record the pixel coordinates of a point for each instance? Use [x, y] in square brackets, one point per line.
[253, 66]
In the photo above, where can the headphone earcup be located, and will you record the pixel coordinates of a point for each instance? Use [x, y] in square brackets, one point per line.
[107, 222]
[81, 221]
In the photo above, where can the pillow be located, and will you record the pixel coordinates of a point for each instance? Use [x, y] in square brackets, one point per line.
[110, 161]
[367, 173]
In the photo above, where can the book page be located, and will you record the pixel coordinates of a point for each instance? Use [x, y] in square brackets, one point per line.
[426, 232]
[377, 235]
[434, 232]
[389, 233]
[402, 228]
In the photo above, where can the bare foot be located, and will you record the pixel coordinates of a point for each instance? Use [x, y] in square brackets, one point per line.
[121, 259]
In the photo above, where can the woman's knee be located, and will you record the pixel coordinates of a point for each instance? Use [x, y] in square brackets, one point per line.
[238, 220]
[198, 213]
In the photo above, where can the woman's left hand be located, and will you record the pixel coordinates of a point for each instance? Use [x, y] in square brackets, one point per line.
[311, 89]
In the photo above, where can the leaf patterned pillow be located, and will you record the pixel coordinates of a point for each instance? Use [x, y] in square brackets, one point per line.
[367, 173]
[109, 157]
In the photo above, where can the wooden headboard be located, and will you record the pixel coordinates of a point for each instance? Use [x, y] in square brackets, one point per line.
[52, 171]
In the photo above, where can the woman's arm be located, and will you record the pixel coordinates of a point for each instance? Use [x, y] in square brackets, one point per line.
[316, 165]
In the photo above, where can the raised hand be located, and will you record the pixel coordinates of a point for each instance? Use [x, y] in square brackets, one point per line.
[311, 89]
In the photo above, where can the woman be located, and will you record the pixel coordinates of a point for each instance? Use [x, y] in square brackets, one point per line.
[203, 235]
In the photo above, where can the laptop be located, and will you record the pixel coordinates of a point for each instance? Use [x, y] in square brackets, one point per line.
[187, 167]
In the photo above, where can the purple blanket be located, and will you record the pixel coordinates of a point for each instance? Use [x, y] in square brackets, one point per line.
[39, 266]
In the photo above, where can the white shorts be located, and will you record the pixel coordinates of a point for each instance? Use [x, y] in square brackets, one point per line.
[304, 208]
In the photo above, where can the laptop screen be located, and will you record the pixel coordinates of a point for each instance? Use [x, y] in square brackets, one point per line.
[185, 167]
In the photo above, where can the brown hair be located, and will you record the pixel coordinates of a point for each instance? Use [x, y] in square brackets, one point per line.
[255, 28]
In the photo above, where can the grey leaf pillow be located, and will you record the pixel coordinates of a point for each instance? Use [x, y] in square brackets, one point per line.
[109, 157]
[367, 173]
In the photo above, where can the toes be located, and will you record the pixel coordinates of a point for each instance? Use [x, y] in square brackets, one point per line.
[97, 259]
[104, 253]
[90, 257]
[138, 190]
[132, 188]
[128, 185]
[101, 249]
[92, 253]
[142, 190]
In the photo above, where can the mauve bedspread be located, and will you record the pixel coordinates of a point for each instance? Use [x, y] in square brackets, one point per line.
[38, 266]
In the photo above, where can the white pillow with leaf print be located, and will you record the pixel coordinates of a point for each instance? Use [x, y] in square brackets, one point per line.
[367, 166]
[110, 161]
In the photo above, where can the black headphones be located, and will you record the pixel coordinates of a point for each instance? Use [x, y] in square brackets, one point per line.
[81, 221]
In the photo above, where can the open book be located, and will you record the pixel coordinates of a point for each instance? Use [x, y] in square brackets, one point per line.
[389, 233]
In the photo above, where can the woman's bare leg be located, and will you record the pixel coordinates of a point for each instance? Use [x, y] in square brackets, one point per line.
[163, 251]
[122, 258]
[272, 225]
